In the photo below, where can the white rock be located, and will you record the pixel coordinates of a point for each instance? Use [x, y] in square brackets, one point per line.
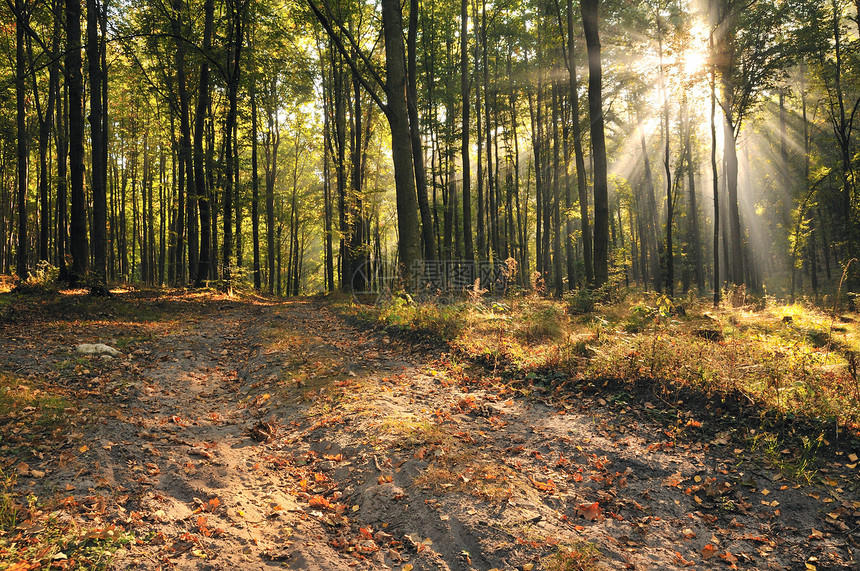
[97, 349]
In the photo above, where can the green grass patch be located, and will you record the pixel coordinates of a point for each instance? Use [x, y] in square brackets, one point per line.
[793, 361]
[27, 409]
[579, 556]
[36, 536]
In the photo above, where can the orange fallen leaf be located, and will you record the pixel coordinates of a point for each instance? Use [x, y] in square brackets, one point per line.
[708, 551]
[591, 512]
[319, 502]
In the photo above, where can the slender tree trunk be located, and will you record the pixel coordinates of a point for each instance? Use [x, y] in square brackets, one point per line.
[78, 221]
[23, 138]
[589, 10]
[61, 244]
[409, 246]
[415, 135]
[97, 147]
[465, 85]
[204, 269]
[713, 121]
[327, 200]
[255, 190]
[556, 187]
[236, 9]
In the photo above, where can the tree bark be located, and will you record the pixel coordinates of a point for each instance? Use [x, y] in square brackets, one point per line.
[415, 134]
[713, 122]
[204, 269]
[97, 145]
[74, 80]
[401, 147]
[589, 10]
[23, 138]
[465, 85]
[581, 182]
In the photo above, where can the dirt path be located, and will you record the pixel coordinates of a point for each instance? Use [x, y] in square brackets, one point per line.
[258, 435]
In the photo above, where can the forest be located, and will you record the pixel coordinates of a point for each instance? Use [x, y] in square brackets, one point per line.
[302, 147]
[429, 286]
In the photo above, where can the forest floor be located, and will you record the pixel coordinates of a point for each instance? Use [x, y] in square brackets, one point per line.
[260, 434]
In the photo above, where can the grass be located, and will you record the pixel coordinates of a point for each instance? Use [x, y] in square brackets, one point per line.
[794, 361]
[38, 537]
[579, 556]
[27, 411]
[34, 535]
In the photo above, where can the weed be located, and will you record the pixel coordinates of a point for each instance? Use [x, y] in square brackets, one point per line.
[30, 406]
[544, 322]
[10, 509]
[797, 467]
[581, 302]
[578, 556]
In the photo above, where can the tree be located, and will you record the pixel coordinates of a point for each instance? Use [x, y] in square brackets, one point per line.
[395, 109]
[74, 82]
[589, 10]
[747, 60]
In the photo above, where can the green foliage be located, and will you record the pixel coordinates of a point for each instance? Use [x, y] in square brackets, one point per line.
[579, 556]
[444, 322]
[541, 322]
[10, 508]
[581, 301]
[41, 281]
[794, 457]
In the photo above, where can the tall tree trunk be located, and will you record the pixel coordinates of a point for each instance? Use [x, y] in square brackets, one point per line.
[415, 134]
[557, 255]
[62, 240]
[255, 190]
[327, 201]
[651, 239]
[598, 142]
[185, 189]
[273, 140]
[576, 128]
[78, 220]
[204, 269]
[236, 10]
[409, 246]
[713, 121]
[23, 138]
[465, 85]
[695, 237]
[670, 199]
[98, 145]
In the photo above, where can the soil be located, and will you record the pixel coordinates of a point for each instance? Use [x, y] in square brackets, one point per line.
[263, 434]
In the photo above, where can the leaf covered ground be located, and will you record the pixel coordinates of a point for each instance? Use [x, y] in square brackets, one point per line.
[260, 434]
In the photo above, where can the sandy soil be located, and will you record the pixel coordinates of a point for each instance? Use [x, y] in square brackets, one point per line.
[268, 435]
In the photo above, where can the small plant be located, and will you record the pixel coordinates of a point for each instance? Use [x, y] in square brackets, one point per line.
[579, 556]
[543, 323]
[582, 301]
[10, 509]
[42, 281]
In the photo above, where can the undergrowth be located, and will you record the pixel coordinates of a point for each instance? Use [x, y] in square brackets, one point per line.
[791, 361]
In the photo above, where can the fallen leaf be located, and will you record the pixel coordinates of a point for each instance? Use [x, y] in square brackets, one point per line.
[319, 502]
[591, 512]
[708, 551]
